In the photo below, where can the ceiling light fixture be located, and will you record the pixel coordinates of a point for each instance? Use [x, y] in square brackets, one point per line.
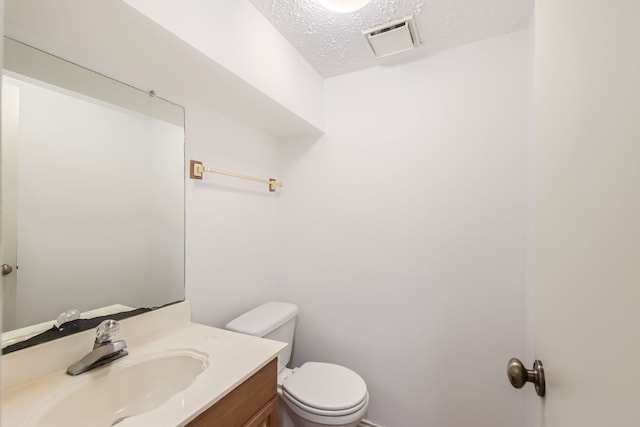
[343, 6]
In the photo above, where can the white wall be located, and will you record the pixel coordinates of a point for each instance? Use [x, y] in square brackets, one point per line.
[231, 225]
[148, 56]
[238, 37]
[404, 234]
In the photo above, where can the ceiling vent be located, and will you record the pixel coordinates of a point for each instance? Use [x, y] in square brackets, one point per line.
[393, 37]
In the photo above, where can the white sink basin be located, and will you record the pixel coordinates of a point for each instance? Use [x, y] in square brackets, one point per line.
[110, 394]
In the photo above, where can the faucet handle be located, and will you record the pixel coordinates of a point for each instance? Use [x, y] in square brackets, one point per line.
[107, 330]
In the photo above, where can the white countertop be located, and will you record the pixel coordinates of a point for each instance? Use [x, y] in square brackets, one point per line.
[232, 358]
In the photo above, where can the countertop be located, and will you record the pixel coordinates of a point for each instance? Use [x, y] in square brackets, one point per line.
[232, 358]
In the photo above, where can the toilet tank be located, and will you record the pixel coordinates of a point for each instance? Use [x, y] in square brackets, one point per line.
[273, 320]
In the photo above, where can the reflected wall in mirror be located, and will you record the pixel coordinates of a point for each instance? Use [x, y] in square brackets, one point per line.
[92, 194]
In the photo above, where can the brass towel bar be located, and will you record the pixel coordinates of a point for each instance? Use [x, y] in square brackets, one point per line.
[196, 170]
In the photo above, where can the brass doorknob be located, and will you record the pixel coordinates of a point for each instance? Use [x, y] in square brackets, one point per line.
[519, 375]
[6, 269]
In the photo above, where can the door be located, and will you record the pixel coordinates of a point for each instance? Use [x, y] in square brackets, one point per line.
[9, 218]
[587, 211]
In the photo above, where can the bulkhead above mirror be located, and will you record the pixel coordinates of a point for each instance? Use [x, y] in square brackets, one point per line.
[92, 194]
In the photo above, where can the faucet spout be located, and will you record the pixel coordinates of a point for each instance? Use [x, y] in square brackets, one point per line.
[104, 351]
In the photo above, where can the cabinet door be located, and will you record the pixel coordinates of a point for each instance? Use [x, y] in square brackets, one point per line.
[265, 417]
[254, 400]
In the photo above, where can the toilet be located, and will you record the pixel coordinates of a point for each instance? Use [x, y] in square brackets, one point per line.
[316, 394]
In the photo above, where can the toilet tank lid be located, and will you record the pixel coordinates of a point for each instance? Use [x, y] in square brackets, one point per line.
[263, 319]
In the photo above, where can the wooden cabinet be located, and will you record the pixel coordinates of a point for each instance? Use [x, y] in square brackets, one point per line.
[254, 403]
[266, 417]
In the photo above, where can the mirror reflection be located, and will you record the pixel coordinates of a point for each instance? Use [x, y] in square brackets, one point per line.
[92, 196]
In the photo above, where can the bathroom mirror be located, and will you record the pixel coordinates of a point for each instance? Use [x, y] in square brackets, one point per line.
[92, 195]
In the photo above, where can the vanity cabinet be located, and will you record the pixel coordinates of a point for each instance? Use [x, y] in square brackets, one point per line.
[254, 403]
[266, 417]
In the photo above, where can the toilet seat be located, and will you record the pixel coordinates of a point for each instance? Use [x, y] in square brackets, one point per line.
[325, 389]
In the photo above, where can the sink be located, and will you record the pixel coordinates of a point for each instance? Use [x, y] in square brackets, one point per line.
[111, 394]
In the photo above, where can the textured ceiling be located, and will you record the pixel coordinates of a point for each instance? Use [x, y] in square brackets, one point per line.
[333, 42]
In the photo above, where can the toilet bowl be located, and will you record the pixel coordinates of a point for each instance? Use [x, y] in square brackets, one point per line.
[315, 394]
[322, 394]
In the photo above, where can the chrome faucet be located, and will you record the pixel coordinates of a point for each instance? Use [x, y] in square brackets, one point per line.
[104, 349]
